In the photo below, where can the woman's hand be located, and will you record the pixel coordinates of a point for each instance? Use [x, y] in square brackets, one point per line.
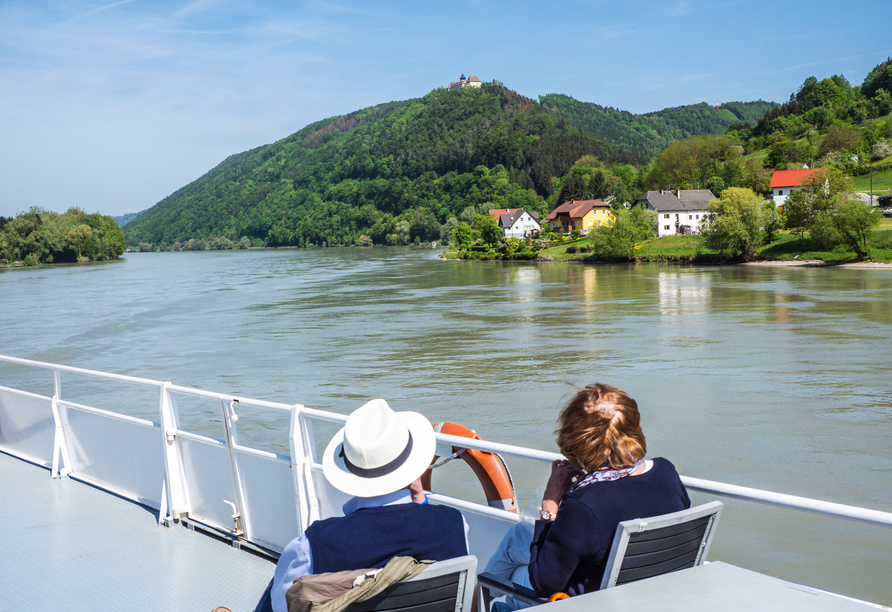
[562, 474]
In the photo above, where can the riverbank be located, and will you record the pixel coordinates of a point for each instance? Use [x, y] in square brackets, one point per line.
[817, 263]
[786, 250]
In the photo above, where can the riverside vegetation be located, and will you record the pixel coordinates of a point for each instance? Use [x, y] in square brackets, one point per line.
[40, 236]
[414, 171]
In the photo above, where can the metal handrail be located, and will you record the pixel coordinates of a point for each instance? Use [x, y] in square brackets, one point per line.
[85, 372]
[771, 498]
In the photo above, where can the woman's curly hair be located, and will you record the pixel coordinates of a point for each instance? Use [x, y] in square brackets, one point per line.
[600, 426]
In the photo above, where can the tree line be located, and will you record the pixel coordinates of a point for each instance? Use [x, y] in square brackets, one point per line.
[40, 236]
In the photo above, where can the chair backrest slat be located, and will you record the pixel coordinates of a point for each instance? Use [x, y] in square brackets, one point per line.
[687, 550]
[433, 590]
[643, 548]
[692, 529]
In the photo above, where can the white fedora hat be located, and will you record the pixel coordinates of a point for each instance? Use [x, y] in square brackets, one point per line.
[379, 451]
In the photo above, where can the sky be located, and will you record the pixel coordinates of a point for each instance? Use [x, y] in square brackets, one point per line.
[112, 106]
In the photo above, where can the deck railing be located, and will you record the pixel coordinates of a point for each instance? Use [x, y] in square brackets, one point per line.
[233, 487]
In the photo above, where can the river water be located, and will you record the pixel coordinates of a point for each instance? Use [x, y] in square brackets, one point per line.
[775, 378]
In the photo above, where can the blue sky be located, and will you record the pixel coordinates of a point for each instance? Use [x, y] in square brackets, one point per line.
[113, 106]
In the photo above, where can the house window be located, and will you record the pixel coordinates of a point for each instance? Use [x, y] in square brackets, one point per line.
[666, 217]
[698, 216]
[780, 192]
[690, 216]
[599, 223]
[665, 227]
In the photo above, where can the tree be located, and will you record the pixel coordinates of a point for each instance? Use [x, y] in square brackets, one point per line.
[402, 232]
[511, 245]
[243, 243]
[77, 238]
[816, 193]
[462, 235]
[629, 227]
[597, 186]
[446, 229]
[734, 223]
[488, 228]
[364, 240]
[772, 220]
[878, 78]
[855, 221]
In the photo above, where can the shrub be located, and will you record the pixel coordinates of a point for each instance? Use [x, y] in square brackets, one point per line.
[572, 249]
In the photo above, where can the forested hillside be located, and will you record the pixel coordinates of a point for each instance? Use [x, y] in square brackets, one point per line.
[387, 175]
[646, 135]
[826, 123]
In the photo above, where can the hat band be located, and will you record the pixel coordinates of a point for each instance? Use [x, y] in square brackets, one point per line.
[378, 471]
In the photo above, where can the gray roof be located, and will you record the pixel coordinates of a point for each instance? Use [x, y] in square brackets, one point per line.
[507, 220]
[685, 200]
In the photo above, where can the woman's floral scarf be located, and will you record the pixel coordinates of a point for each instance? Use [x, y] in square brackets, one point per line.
[604, 474]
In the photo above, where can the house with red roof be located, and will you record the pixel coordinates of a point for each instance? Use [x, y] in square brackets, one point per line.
[582, 215]
[783, 182]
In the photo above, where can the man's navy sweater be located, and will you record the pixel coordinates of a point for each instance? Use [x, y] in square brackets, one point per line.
[570, 554]
[370, 537]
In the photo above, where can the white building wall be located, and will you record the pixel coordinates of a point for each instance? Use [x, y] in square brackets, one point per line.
[669, 222]
[780, 194]
[523, 227]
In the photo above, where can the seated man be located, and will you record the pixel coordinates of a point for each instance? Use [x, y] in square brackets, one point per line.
[378, 457]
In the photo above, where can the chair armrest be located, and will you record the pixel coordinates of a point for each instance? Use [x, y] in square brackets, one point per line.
[489, 583]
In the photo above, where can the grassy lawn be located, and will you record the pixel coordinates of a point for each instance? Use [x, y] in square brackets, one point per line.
[787, 247]
[882, 182]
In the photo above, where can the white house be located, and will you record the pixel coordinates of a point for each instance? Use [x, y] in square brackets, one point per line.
[463, 82]
[784, 182]
[517, 222]
[677, 208]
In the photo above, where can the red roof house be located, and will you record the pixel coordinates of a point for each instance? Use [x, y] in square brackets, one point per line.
[783, 182]
[580, 214]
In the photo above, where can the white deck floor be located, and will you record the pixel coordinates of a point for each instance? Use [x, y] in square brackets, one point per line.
[68, 546]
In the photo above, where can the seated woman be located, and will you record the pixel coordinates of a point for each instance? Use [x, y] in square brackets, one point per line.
[605, 479]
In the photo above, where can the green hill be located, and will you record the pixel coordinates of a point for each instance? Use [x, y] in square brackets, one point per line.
[388, 174]
[647, 134]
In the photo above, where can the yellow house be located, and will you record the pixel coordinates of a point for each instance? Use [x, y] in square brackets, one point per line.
[582, 215]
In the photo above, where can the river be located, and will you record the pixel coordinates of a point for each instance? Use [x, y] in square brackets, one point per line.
[775, 378]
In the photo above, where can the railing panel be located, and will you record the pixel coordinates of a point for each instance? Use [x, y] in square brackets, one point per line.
[123, 456]
[27, 428]
[209, 481]
[330, 499]
[269, 507]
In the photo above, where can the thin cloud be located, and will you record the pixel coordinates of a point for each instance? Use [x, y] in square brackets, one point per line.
[819, 63]
[99, 9]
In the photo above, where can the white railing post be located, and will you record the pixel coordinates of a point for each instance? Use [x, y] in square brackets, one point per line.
[230, 418]
[60, 445]
[305, 499]
[174, 493]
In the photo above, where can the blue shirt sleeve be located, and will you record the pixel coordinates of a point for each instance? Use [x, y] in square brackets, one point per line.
[296, 561]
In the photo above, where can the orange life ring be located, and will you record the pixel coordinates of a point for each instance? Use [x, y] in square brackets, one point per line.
[490, 469]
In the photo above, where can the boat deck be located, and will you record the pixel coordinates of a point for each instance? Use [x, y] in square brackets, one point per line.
[69, 546]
